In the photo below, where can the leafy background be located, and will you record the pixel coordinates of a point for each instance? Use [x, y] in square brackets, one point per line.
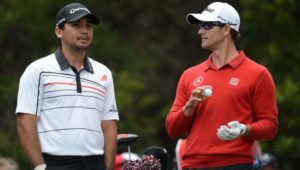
[147, 45]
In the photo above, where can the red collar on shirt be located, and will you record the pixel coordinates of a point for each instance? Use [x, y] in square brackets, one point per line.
[234, 63]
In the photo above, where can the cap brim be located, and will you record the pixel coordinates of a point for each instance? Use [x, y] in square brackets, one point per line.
[196, 19]
[94, 18]
[192, 19]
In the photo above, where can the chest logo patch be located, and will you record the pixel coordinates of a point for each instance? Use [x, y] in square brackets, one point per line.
[198, 81]
[104, 78]
[234, 81]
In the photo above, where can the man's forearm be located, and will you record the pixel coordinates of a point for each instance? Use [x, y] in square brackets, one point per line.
[188, 109]
[110, 143]
[109, 156]
[29, 140]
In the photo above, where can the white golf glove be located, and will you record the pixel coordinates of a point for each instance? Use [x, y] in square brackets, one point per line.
[40, 167]
[234, 130]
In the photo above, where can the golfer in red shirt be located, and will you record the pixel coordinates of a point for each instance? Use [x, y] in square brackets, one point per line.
[239, 107]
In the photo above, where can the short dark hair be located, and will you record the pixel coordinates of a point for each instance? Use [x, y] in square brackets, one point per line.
[235, 35]
[61, 26]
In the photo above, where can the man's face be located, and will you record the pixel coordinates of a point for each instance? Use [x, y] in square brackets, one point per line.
[76, 35]
[211, 35]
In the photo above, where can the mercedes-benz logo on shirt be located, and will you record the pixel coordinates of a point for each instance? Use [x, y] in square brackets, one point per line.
[198, 81]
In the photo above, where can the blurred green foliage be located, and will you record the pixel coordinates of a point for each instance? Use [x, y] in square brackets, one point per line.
[147, 45]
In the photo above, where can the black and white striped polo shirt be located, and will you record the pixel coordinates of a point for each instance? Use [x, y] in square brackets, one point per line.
[70, 104]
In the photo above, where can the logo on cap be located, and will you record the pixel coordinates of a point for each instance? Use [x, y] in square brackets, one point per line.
[226, 21]
[209, 10]
[61, 21]
[72, 11]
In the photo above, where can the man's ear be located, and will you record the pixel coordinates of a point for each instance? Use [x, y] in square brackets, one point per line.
[227, 29]
[58, 32]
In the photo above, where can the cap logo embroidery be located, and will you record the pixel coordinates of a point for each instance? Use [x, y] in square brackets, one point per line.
[61, 21]
[72, 11]
[234, 81]
[226, 21]
[198, 81]
[209, 10]
[223, 19]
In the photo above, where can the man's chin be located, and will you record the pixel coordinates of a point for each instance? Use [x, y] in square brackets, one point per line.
[80, 48]
[84, 46]
[204, 46]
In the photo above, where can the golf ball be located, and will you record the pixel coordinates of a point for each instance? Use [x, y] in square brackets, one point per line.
[207, 92]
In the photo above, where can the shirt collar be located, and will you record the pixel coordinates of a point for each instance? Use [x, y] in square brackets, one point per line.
[64, 64]
[234, 63]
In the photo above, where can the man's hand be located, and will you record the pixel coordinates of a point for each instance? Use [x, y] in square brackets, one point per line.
[40, 167]
[196, 98]
[234, 130]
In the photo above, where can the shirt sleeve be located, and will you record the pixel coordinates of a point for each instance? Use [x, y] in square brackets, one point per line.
[176, 122]
[110, 111]
[29, 93]
[265, 126]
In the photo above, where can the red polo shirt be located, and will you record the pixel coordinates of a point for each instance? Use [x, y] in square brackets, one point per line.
[242, 90]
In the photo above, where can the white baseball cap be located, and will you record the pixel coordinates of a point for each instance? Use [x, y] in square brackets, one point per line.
[216, 12]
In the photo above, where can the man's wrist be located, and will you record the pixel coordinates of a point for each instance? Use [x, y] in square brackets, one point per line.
[188, 109]
[247, 130]
[40, 167]
[243, 129]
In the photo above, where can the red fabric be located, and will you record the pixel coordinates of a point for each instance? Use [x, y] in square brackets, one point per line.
[119, 162]
[242, 90]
